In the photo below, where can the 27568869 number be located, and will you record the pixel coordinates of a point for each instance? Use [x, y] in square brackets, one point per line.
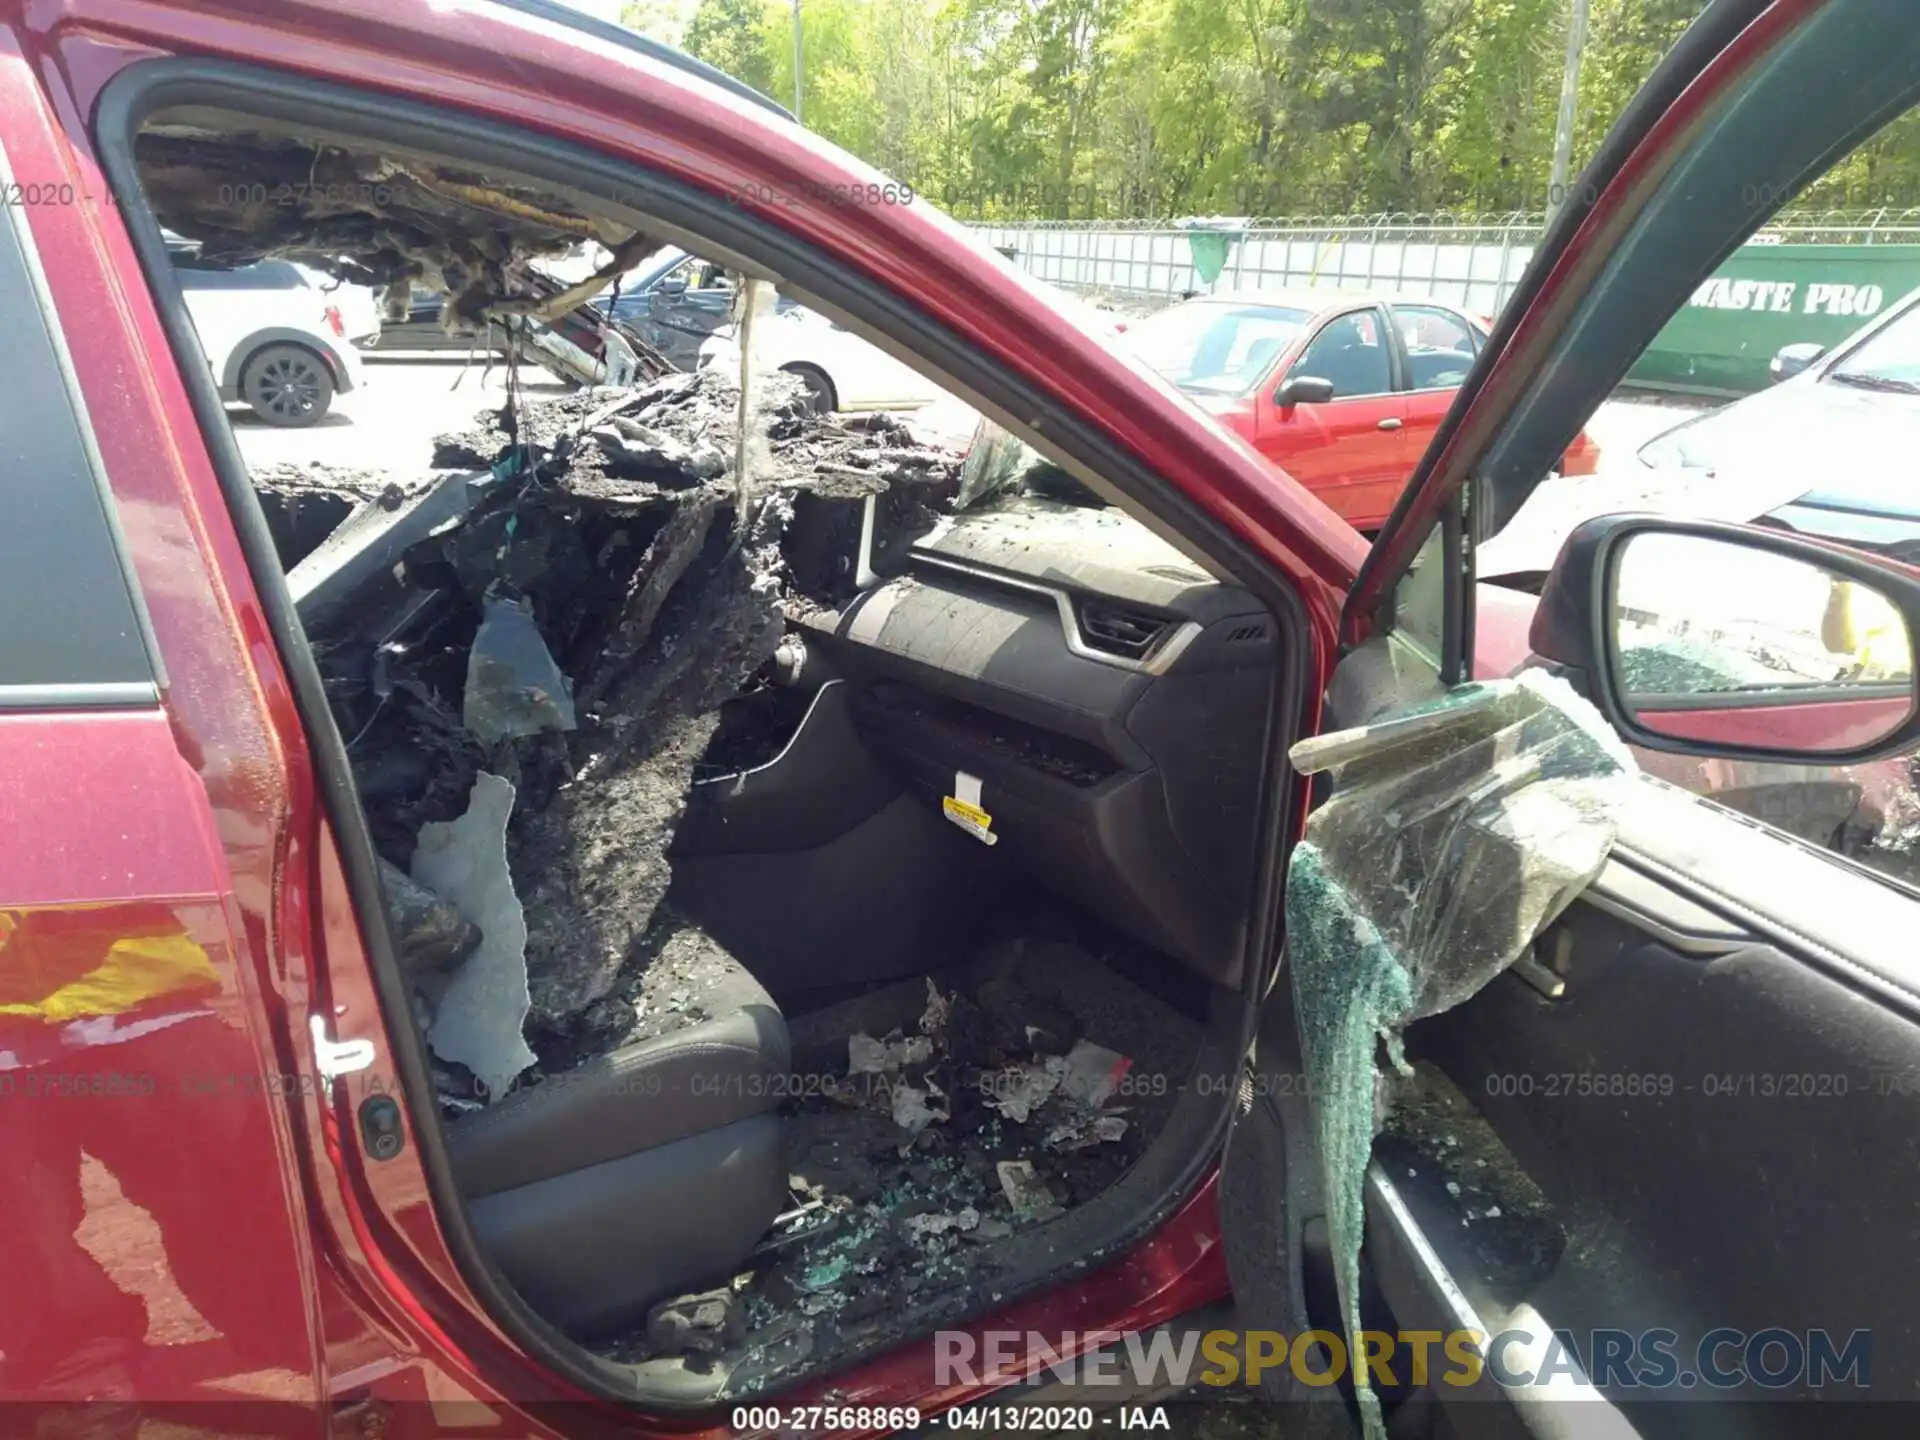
[818, 1419]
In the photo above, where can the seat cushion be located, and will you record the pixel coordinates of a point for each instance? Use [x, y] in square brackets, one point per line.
[707, 1048]
[591, 1250]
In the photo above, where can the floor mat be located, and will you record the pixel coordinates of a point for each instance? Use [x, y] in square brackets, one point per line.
[933, 1123]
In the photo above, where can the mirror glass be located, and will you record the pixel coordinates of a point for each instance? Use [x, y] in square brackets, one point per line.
[1718, 642]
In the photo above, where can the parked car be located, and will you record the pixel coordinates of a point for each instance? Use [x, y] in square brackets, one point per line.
[277, 343]
[672, 300]
[1769, 458]
[1866, 393]
[676, 301]
[1342, 391]
[840, 370]
[585, 346]
[1039, 756]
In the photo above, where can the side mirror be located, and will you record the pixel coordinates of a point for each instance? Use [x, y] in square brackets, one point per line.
[1708, 639]
[1303, 390]
[1790, 360]
[671, 288]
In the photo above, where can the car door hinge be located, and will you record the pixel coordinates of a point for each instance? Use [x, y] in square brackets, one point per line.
[334, 1058]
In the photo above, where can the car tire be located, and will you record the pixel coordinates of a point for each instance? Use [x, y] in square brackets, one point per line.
[821, 399]
[286, 384]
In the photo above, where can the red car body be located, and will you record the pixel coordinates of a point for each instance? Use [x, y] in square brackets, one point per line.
[185, 827]
[1357, 451]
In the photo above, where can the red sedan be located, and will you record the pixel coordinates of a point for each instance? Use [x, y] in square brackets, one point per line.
[1342, 391]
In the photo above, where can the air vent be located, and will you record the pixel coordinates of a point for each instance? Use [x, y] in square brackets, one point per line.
[1246, 634]
[1115, 630]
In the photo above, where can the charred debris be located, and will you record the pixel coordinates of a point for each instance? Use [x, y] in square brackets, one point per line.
[965, 1114]
[529, 641]
[375, 218]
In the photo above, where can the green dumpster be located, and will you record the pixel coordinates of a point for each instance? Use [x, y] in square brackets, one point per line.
[1767, 296]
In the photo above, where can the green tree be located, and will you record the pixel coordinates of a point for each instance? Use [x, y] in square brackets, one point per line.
[1154, 108]
[730, 35]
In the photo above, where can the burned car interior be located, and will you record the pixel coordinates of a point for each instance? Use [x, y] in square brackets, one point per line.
[820, 855]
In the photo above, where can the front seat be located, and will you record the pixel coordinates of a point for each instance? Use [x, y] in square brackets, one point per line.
[651, 1170]
[1353, 369]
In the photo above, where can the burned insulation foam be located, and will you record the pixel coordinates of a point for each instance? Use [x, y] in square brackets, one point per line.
[481, 1018]
[1457, 830]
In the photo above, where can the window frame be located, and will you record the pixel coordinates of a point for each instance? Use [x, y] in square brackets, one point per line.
[1396, 377]
[1399, 343]
[826, 283]
[56, 653]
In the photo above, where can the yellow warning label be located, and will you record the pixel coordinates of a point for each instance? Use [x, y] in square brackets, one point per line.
[970, 818]
[961, 810]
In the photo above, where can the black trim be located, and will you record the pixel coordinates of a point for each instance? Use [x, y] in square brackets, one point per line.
[324, 108]
[1456, 646]
[645, 45]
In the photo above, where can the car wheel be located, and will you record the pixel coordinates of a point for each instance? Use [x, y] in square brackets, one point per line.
[820, 397]
[286, 385]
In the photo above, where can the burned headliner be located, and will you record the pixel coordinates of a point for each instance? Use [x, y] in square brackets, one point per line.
[370, 216]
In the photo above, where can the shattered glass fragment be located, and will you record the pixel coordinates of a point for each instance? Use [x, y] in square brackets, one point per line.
[479, 1019]
[964, 1219]
[995, 462]
[1456, 831]
[514, 688]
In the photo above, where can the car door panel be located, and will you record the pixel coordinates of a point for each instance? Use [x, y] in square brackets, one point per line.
[1435, 351]
[1775, 1048]
[1352, 451]
[677, 323]
[1348, 452]
[156, 1226]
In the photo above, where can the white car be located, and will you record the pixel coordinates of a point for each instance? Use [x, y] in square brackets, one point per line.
[844, 372]
[840, 370]
[277, 341]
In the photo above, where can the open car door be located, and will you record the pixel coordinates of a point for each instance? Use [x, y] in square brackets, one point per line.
[1640, 1163]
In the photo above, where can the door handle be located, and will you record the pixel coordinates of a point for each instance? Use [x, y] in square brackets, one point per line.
[1389, 424]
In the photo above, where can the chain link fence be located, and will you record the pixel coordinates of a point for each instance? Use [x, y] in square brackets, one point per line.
[1473, 261]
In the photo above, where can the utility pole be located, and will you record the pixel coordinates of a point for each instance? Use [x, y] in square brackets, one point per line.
[1569, 102]
[798, 113]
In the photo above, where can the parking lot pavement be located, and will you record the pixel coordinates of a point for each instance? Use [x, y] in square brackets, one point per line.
[383, 424]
